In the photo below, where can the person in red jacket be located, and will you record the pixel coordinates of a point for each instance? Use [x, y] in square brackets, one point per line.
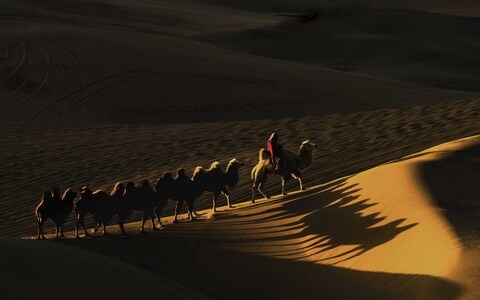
[275, 150]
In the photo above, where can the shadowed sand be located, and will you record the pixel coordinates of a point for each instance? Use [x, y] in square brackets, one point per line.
[96, 92]
[86, 63]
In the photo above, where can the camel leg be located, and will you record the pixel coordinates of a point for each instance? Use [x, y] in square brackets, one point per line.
[253, 193]
[57, 232]
[40, 230]
[105, 229]
[77, 224]
[84, 229]
[158, 212]
[94, 231]
[191, 210]
[194, 211]
[261, 192]
[80, 222]
[301, 184]
[283, 187]
[122, 228]
[177, 210]
[152, 218]
[298, 176]
[215, 197]
[121, 220]
[61, 232]
[214, 202]
[144, 219]
[227, 195]
[142, 227]
[76, 231]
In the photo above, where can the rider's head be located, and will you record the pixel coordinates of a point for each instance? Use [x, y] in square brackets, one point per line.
[274, 135]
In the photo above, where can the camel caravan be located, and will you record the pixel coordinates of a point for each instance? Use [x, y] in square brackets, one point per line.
[124, 199]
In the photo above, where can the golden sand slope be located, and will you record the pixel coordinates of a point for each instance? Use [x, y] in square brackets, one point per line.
[379, 234]
[35, 159]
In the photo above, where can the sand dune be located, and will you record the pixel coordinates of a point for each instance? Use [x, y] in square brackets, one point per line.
[382, 233]
[411, 46]
[96, 92]
[462, 7]
[86, 66]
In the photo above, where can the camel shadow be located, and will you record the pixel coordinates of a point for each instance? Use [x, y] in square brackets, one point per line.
[190, 261]
[334, 216]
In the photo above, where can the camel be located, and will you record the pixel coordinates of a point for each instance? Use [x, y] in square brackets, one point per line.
[101, 205]
[293, 164]
[162, 192]
[260, 172]
[141, 199]
[181, 189]
[56, 208]
[216, 181]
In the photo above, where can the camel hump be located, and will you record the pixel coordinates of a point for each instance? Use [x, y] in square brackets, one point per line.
[255, 171]
[101, 193]
[264, 154]
[288, 154]
[47, 198]
[198, 170]
[215, 166]
[69, 194]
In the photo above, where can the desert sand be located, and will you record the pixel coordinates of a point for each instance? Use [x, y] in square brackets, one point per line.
[96, 92]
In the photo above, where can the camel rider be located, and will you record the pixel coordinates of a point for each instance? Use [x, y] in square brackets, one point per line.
[275, 150]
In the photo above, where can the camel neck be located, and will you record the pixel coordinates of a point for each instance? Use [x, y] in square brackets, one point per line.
[232, 175]
[306, 158]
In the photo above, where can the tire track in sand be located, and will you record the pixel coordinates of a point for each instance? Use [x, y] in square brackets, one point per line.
[96, 91]
[23, 57]
[22, 85]
[39, 87]
[83, 89]
[5, 56]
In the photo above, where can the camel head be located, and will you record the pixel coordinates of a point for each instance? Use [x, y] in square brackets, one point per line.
[167, 176]
[129, 187]
[234, 164]
[145, 183]
[85, 191]
[181, 173]
[309, 146]
[118, 189]
[47, 195]
[163, 181]
[86, 195]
